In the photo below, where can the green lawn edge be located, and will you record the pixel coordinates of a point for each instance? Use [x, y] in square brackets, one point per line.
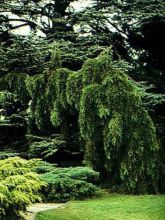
[110, 207]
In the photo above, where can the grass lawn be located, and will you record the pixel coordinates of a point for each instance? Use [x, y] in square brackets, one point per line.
[110, 207]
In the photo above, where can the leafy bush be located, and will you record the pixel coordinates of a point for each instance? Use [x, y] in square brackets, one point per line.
[46, 148]
[64, 184]
[6, 154]
[7, 99]
[80, 173]
[18, 187]
[25, 54]
[41, 167]
[64, 189]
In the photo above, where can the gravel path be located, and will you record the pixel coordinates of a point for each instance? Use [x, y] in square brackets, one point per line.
[39, 207]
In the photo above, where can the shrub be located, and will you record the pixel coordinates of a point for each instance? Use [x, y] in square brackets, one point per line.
[18, 187]
[46, 148]
[62, 189]
[41, 167]
[64, 184]
[7, 154]
[80, 173]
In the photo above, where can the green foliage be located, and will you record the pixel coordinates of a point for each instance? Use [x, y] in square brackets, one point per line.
[49, 106]
[9, 106]
[57, 95]
[7, 154]
[65, 184]
[80, 173]
[55, 60]
[19, 187]
[111, 106]
[38, 109]
[112, 120]
[64, 189]
[6, 99]
[51, 18]
[41, 167]
[15, 83]
[24, 54]
[73, 89]
[46, 148]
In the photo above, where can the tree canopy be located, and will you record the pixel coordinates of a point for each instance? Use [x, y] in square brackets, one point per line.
[111, 117]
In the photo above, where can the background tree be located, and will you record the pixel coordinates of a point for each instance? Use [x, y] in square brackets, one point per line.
[50, 17]
[136, 31]
[111, 117]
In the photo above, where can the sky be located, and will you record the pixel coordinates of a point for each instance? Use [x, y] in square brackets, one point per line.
[77, 6]
[80, 5]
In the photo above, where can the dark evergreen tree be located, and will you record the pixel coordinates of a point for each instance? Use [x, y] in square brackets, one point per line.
[135, 29]
[50, 17]
[112, 120]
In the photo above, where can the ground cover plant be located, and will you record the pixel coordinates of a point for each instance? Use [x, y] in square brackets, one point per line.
[110, 207]
[19, 187]
[64, 184]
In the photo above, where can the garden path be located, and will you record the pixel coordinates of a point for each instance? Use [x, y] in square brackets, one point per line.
[39, 207]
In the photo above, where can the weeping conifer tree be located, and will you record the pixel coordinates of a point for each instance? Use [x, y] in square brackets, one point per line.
[119, 135]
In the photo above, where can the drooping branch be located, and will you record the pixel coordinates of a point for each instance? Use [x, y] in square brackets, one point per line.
[32, 24]
[19, 26]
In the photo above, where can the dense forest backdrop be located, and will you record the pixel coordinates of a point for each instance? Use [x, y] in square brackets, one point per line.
[88, 90]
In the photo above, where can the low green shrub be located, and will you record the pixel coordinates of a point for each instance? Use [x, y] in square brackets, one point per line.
[65, 184]
[46, 148]
[41, 167]
[7, 154]
[18, 187]
[64, 189]
[80, 173]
